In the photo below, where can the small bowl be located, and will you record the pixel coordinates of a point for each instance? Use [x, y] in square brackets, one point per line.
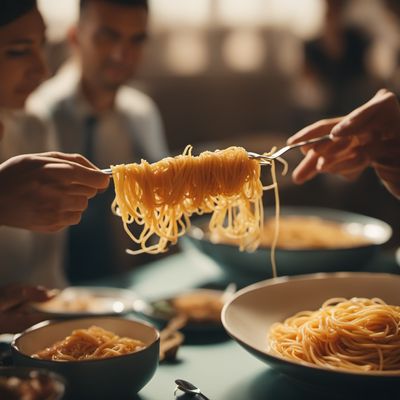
[51, 385]
[244, 268]
[161, 311]
[251, 312]
[117, 377]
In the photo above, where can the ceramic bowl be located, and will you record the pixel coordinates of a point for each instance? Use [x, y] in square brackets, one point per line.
[245, 268]
[252, 311]
[118, 377]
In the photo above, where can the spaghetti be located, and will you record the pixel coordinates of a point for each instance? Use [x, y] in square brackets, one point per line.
[162, 196]
[89, 344]
[357, 335]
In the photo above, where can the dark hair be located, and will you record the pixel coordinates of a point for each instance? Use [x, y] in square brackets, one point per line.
[129, 3]
[10, 10]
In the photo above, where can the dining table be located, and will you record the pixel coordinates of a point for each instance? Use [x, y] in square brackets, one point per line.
[213, 361]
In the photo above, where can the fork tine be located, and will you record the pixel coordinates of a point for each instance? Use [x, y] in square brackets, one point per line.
[283, 150]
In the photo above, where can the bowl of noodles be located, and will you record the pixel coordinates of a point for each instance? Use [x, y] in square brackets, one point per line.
[329, 328]
[100, 357]
[310, 240]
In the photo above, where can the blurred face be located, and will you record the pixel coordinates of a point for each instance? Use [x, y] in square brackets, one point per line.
[109, 41]
[22, 63]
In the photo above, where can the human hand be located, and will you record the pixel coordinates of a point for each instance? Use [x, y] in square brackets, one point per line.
[15, 311]
[368, 136]
[48, 191]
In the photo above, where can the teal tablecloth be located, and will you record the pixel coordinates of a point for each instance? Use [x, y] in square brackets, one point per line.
[215, 363]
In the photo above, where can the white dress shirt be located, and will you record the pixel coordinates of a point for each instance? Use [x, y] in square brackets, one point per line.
[25, 256]
[132, 130]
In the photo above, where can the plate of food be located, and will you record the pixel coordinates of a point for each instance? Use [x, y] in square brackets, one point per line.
[29, 383]
[191, 310]
[310, 240]
[336, 328]
[76, 301]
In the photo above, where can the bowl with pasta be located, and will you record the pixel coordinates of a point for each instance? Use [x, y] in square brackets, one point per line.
[100, 357]
[328, 328]
[310, 240]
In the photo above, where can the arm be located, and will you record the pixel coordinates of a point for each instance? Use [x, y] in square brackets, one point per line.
[15, 312]
[368, 136]
[48, 191]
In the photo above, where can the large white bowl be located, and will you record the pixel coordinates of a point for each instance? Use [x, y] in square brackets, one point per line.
[245, 268]
[248, 316]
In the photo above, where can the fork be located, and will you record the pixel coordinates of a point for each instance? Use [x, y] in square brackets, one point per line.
[266, 158]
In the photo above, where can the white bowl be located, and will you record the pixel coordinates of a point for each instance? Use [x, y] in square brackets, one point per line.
[251, 312]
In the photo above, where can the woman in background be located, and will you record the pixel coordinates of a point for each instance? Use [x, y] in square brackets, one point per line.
[40, 191]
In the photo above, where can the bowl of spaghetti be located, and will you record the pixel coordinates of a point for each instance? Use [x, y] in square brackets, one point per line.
[337, 328]
[310, 240]
[100, 357]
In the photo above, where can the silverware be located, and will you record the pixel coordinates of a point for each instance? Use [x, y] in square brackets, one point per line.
[189, 388]
[265, 159]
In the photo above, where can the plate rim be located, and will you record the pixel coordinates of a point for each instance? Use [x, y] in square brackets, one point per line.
[131, 296]
[278, 359]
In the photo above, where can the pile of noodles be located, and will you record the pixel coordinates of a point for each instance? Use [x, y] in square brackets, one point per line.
[161, 197]
[89, 344]
[358, 335]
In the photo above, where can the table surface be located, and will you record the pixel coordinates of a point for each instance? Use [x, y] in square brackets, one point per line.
[214, 362]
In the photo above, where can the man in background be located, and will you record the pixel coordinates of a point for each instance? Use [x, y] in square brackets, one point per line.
[97, 115]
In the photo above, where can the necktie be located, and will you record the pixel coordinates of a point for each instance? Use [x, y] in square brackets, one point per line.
[90, 251]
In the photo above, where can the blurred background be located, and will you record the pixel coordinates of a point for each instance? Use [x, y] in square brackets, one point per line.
[252, 73]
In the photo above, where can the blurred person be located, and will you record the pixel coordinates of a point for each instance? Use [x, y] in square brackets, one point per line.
[96, 114]
[40, 192]
[335, 62]
[369, 136]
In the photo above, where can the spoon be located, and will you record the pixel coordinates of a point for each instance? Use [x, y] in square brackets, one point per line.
[189, 388]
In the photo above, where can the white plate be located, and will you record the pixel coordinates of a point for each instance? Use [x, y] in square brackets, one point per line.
[252, 311]
[85, 301]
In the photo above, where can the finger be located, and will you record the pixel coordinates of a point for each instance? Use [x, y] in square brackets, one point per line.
[67, 219]
[80, 190]
[359, 120]
[336, 147]
[16, 295]
[74, 203]
[306, 170]
[38, 293]
[350, 167]
[73, 157]
[317, 129]
[390, 178]
[73, 173]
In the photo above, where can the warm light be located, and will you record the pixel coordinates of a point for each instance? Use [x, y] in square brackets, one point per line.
[59, 15]
[173, 13]
[187, 53]
[233, 13]
[304, 18]
[244, 50]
